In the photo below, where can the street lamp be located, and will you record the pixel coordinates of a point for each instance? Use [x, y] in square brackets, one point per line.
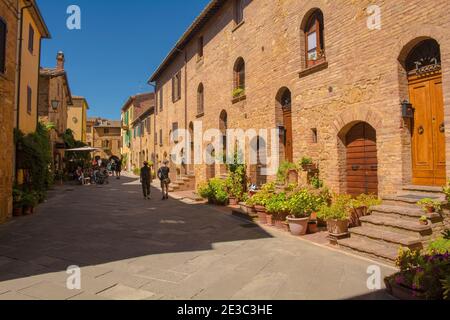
[55, 104]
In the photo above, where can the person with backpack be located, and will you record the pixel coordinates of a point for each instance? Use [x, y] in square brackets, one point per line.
[163, 176]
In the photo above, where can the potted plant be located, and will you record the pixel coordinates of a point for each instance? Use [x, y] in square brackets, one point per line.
[276, 210]
[17, 202]
[337, 215]
[284, 172]
[446, 190]
[29, 201]
[307, 164]
[423, 220]
[430, 205]
[300, 204]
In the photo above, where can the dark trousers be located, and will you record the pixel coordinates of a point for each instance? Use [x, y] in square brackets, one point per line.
[146, 188]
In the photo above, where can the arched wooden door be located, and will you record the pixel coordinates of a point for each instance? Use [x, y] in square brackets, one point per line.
[362, 161]
[428, 128]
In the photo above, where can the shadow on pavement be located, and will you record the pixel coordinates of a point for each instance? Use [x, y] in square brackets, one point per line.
[92, 225]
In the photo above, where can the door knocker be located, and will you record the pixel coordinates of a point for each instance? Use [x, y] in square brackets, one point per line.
[421, 130]
[442, 127]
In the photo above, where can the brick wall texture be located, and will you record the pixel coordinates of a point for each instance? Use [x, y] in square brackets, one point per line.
[365, 79]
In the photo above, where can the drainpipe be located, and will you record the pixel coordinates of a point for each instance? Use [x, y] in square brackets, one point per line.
[19, 76]
[39, 82]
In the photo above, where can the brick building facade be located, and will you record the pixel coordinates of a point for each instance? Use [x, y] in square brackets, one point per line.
[8, 64]
[328, 76]
[105, 135]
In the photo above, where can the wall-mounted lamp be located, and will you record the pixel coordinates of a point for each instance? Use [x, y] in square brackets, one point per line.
[55, 104]
[407, 110]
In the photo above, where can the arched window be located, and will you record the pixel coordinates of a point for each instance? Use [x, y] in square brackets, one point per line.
[239, 78]
[200, 100]
[314, 39]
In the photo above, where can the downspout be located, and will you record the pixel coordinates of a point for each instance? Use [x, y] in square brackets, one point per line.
[19, 64]
[18, 79]
[39, 82]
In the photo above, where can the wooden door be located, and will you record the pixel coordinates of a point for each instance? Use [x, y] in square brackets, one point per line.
[362, 161]
[428, 131]
[288, 146]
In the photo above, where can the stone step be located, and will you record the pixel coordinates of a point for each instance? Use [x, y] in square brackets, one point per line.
[395, 224]
[411, 199]
[413, 213]
[385, 236]
[387, 252]
[425, 189]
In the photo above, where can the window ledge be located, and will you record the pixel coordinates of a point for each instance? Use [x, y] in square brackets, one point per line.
[313, 69]
[200, 115]
[238, 26]
[239, 99]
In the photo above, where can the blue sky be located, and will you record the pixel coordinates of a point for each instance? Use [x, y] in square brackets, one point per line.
[118, 47]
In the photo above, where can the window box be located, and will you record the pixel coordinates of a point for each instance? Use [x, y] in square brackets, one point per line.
[316, 68]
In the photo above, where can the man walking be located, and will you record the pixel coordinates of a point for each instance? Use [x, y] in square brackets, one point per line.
[146, 180]
[163, 175]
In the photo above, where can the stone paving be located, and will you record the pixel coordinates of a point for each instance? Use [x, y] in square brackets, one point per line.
[130, 248]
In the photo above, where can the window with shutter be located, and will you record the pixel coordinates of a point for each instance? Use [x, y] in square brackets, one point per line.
[160, 137]
[31, 39]
[29, 99]
[161, 99]
[200, 47]
[175, 131]
[3, 31]
[314, 39]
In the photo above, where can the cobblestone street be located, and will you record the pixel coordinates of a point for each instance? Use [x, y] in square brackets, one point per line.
[129, 248]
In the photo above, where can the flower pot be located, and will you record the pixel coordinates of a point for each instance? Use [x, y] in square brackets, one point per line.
[280, 220]
[337, 227]
[312, 227]
[430, 209]
[260, 208]
[313, 216]
[233, 201]
[262, 217]
[269, 219]
[17, 212]
[27, 211]
[401, 292]
[298, 226]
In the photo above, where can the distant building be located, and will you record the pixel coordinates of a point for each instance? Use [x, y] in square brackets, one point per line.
[54, 100]
[77, 118]
[105, 135]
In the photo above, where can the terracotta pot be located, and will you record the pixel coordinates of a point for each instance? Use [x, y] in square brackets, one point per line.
[402, 293]
[313, 228]
[262, 217]
[337, 227]
[17, 212]
[260, 208]
[280, 220]
[298, 226]
[233, 201]
[269, 219]
[27, 211]
[313, 216]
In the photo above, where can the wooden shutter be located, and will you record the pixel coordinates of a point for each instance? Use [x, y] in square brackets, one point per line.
[31, 39]
[3, 30]
[29, 99]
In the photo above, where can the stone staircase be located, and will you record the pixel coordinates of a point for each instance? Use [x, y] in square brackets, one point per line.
[395, 224]
[183, 183]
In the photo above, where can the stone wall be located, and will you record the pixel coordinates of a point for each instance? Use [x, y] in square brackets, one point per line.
[364, 79]
[7, 101]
